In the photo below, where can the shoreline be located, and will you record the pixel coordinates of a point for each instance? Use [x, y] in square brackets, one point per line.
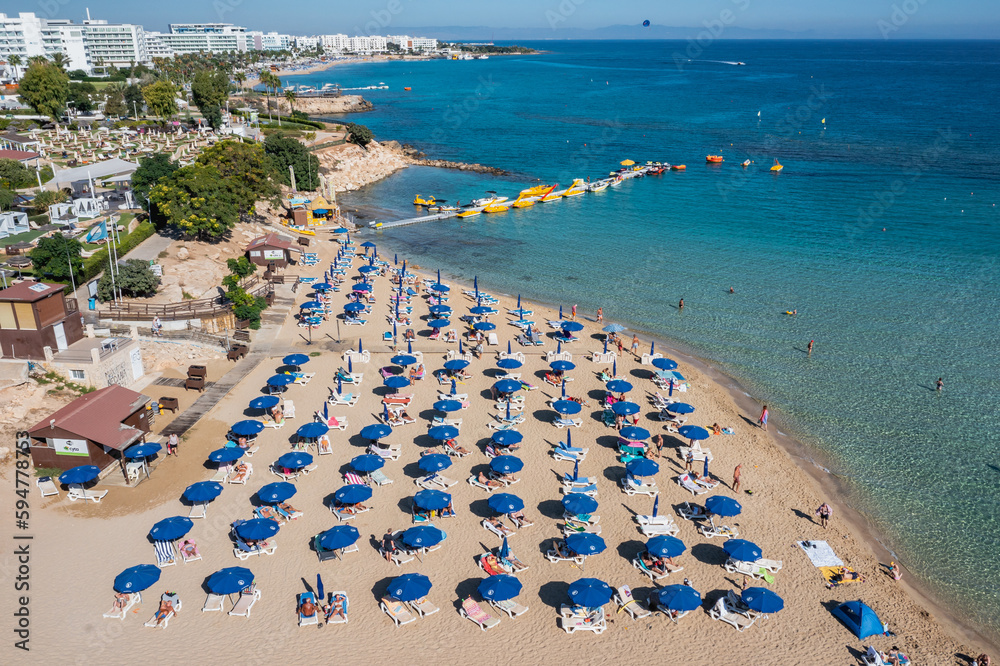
[809, 459]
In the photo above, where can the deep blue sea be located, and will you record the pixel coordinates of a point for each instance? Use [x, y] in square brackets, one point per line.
[882, 231]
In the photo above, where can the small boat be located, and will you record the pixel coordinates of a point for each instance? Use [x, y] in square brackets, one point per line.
[678, 167]
[552, 195]
[483, 57]
[655, 170]
[407, 88]
[599, 186]
[714, 159]
[524, 202]
[777, 166]
[496, 208]
[420, 201]
[301, 230]
[577, 188]
[741, 63]
[536, 190]
[488, 200]
[470, 212]
[746, 163]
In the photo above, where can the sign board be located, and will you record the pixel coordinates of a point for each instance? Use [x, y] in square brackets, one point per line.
[274, 254]
[157, 270]
[70, 447]
[136, 358]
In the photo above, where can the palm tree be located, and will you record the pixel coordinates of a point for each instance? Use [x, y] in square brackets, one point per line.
[60, 60]
[240, 78]
[15, 62]
[290, 96]
[265, 78]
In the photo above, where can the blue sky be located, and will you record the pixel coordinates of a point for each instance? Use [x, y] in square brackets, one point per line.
[557, 18]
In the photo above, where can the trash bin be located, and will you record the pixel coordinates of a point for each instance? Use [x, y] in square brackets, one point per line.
[92, 302]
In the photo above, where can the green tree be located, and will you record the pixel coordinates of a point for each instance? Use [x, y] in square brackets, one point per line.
[134, 277]
[241, 267]
[161, 99]
[60, 60]
[114, 100]
[210, 90]
[7, 199]
[45, 88]
[290, 96]
[52, 257]
[245, 170]
[151, 170]
[15, 61]
[46, 198]
[240, 78]
[284, 151]
[244, 305]
[196, 200]
[80, 96]
[359, 134]
[14, 175]
[133, 99]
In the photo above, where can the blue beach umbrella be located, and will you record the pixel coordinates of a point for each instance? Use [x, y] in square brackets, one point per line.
[294, 460]
[506, 464]
[368, 269]
[229, 580]
[340, 230]
[680, 408]
[562, 366]
[571, 326]
[396, 382]
[456, 364]
[226, 455]
[248, 427]
[619, 386]
[362, 288]
[434, 462]
[376, 431]
[145, 450]
[273, 493]
[484, 326]
[367, 463]
[368, 244]
[680, 598]
[585, 544]
[409, 587]
[664, 364]
[322, 286]
[447, 406]
[354, 307]
[500, 587]
[403, 359]
[438, 323]
[743, 550]
[590, 592]
[311, 305]
[432, 500]
[280, 380]
[137, 578]
[634, 433]
[203, 491]
[762, 600]
[507, 386]
[724, 506]
[578, 504]
[509, 364]
[507, 437]
[443, 433]
[171, 529]
[481, 310]
[567, 406]
[440, 309]
[295, 360]
[312, 430]
[625, 408]
[505, 503]
[353, 493]
[440, 288]
[693, 432]
[264, 402]
[338, 537]
[80, 474]
[642, 467]
[613, 328]
[257, 529]
[665, 545]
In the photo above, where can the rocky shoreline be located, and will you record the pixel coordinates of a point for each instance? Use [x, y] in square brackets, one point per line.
[414, 156]
[312, 106]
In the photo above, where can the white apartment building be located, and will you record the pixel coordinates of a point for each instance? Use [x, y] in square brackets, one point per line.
[335, 42]
[118, 44]
[367, 44]
[268, 41]
[407, 43]
[307, 43]
[208, 37]
[28, 35]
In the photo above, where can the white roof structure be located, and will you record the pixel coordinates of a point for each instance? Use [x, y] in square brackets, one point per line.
[96, 171]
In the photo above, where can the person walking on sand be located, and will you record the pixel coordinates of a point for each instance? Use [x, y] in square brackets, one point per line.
[736, 477]
[811, 347]
[635, 346]
[824, 512]
[939, 383]
[573, 315]
[688, 461]
[600, 314]
[619, 346]
[762, 421]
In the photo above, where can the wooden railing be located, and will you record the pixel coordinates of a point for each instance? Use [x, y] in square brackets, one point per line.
[203, 308]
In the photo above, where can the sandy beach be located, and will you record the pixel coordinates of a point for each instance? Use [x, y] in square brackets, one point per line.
[77, 550]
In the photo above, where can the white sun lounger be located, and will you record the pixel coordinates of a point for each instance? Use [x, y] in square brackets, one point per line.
[685, 482]
[626, 602]
[720, 611]
[120, 613]
[423, 607]
[475, 482]
[214, 602]
[573, 624]
[577, 528]
[712, 530]
[47, 487]
[245, 603]
[338, 399]
[656, 529]
[633, 486]
[745, 568]
[561, 423]
[511, 607]
[499, 531]
[435, 482]
[472, 610]
[77, 492]
[396, 610]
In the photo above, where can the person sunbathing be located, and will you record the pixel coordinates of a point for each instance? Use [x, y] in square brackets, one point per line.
[239, 473]
[843, 576]
[287, 508]
[448, 511]
[497, 523]
[453, 445]
[121, 601]
[336, 608]
[562, 550]
[308, 608]
[696, 511]
[188, 549]
[519, 519]
[491, 565]
[505, 478]
[165, 609]
[489, 483]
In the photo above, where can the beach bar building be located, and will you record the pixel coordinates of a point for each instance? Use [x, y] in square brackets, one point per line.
[36, 315]
[94, 429]
[271, 249]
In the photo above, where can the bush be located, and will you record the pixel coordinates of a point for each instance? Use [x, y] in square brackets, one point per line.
[45, 198]
[100, 260]
[359, 134]
[135, 279]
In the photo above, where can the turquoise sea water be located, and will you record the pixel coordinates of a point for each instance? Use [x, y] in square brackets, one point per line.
[911, 144]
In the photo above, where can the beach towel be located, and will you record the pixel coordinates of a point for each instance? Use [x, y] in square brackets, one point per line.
[820, 554]
[828, 574]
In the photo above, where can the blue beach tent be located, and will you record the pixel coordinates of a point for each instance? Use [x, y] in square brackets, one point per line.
[859, 618]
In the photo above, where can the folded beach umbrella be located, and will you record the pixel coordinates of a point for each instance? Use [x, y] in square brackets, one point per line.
[507, 386]
[203, 491]
[280, 380]
[80, 474]
[613, 328]
[295, 360]
[447, 406]
[481, 310]
[567, 406]
[440, 309]
[354, 307]
[562, 366]
[279, 491]
[664, 364]
[509, 364]
[294, 460]
[504, 551]
[590, 592]
[396, 382]
[226, 455]
[642, 467]
[353, 493]
[585, 544]
[456, 364]
[248, 427]
[376, 431]
[409, 587]
[338, 537]
[443, 433]
[665, 545]
[762, 600]
[505, 503]
[506, 464]
[500, 587]
[439, 323]
[229, 580]
[432, 500]
[578, 504]
[367, 463]
[859, 618]
[634, 433]
[403, 360]
[724, 506]
[312, 430]
[507, 437]
[484, 326]
[625, 408]
[264, 402]
[257, 529]
[434, 462]
[137, 578]
[145, 450]
[680, 598]
[693, 432]
[619, 386]
[171, 529]
[680, 408]
[742, 550]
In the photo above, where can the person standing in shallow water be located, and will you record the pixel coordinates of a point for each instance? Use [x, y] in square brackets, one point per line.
[811, 347]
[762, 421]
[939, 384]
[680, 306]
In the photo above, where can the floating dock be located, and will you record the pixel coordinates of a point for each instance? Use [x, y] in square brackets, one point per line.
[411, 220]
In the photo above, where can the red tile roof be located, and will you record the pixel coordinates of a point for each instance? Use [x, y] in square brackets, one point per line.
[271, 240]
[19, 155]
[29, 292]
[98, 417]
